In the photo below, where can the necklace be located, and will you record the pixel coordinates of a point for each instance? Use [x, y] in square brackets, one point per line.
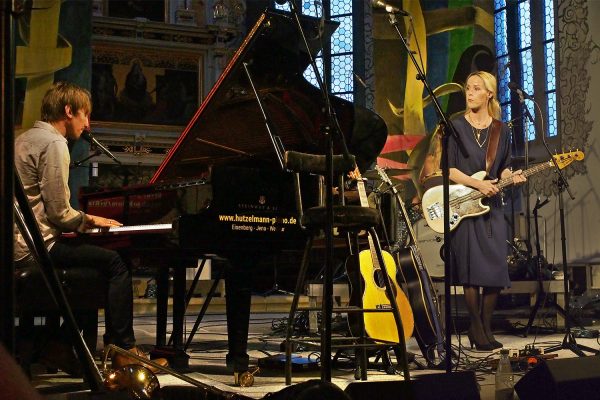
[477, 134]
[483, 123]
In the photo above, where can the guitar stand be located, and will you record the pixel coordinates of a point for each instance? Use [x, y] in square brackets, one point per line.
[382, 355]
[389, 367]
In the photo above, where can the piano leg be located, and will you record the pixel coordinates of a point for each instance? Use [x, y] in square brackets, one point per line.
[177, 357]
[162, 298]
[238, 285]
[178, 305]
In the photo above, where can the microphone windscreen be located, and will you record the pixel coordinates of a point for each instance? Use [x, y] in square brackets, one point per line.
[316, 163]
[87, 136]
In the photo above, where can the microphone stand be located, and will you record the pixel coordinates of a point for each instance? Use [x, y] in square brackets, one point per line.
[569, 342]
[448, 129]
[541, 295]
[76, 164]
[529, 118]
[332, 127]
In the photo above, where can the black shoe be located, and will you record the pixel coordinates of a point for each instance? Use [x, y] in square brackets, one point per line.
[485, 346]
[496, 344]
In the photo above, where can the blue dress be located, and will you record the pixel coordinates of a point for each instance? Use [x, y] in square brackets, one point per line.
[479, 245]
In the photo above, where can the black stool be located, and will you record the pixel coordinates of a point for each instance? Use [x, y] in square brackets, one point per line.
[85, 289]
[347, 219]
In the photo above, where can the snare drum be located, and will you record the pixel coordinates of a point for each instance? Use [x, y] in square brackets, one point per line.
[430, 243]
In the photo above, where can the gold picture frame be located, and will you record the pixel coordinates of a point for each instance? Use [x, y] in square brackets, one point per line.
[149, 86]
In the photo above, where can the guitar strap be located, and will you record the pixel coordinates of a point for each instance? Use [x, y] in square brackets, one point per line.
[492, 147]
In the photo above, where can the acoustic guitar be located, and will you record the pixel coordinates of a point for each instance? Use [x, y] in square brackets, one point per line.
[380, 325]
[421, 294]
[467, 202]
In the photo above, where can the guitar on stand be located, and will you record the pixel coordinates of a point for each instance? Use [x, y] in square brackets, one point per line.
[428, 327]
[381, 325]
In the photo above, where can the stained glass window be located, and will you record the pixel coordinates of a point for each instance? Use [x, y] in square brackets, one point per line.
[525, 48]
[340, 60]
[503, 60]
[549, 43]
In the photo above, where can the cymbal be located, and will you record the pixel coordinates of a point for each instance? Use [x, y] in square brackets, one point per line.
[372, 174]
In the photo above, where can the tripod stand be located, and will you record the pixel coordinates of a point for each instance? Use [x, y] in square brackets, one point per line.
[568, 342]
[275, 290]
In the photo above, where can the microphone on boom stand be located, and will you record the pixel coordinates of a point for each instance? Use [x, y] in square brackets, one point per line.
[87, 136]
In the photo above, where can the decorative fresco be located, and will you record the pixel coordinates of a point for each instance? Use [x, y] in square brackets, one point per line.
[133, 85]
[449, 39]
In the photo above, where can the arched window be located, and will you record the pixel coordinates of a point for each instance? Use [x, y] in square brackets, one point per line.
[525, 48]
[336, 63]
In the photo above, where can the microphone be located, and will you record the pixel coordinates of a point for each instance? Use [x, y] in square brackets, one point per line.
[360, 80]
[517, 89]
[388, 7]
[87, 136]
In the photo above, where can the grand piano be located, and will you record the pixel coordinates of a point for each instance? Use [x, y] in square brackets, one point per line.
[220, 189]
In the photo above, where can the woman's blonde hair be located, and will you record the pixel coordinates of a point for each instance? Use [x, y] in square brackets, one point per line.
[489, 82]
[62, 94]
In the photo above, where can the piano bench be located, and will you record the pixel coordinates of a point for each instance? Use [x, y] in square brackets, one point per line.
[85, 289]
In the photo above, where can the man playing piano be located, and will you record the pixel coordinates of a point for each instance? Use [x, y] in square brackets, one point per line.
[42, 160]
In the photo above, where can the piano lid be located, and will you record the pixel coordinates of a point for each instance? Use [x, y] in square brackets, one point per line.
[228, 126]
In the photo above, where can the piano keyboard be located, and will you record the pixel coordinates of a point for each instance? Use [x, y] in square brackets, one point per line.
[132, 229]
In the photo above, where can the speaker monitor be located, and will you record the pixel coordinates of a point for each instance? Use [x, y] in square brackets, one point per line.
[454, 386]
[569, 378]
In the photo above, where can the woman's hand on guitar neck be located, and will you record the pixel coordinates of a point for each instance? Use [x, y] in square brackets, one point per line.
[488, 187]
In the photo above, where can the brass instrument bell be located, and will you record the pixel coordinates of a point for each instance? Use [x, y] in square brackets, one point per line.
[137, 380]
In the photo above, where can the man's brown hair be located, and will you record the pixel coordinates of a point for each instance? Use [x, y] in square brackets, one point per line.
[62, 94]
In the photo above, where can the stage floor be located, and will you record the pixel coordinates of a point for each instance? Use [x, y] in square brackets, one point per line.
[208, 350]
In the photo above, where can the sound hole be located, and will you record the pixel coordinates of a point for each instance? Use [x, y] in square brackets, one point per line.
[380, 281]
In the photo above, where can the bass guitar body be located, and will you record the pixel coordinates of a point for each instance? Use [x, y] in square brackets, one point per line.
[381, 325]
[467, 202]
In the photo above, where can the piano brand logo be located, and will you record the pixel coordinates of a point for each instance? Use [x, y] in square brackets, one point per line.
[261, 207]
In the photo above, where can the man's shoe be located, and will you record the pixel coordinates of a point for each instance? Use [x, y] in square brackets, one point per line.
[120, 360]
[61, 356]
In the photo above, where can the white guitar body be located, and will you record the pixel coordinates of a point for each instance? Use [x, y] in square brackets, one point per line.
[467, 202]
[433, 205]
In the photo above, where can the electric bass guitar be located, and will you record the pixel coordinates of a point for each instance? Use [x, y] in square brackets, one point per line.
[380, 325]
[421, 294]
[467, 202]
